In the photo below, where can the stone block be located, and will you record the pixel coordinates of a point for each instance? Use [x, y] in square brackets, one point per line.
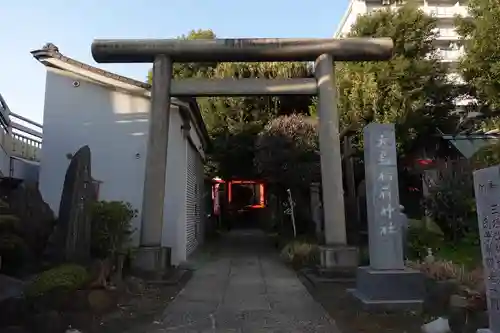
[152, 259]
[338, 257]
[389, 290]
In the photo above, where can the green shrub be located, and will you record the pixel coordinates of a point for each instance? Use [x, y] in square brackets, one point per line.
[13, 251]
[364, 256]
[9, 223]
[300, 253]
[467, 252]
[111, 228]
[67, 277]
[451, 202]
[487, 156]
[422, 237]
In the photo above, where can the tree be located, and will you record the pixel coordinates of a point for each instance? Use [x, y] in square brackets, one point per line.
[228, 111]
[234, 122]
[480, 65]
[287, 152]
[410, 90]
[189, 70]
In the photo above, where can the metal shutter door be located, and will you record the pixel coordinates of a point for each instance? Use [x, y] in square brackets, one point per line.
[200, 192]
[191, 201]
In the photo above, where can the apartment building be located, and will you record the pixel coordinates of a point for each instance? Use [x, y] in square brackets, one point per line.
[447, 44]
[448, 41]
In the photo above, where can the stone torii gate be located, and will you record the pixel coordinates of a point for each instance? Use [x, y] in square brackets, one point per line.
[164, 52]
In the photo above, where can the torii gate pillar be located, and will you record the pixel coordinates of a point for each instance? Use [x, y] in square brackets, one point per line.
[335, 253]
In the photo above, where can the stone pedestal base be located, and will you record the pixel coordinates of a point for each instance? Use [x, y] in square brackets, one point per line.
[389, 290]
[484, 330]
[152, 260]
[338, 257]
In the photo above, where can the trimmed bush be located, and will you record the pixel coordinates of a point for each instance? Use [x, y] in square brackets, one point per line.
[67, 277]
[13, 250]
[420, 239]
[111, 228]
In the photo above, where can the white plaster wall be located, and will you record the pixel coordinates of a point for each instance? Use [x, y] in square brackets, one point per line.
[115, 126]
[354, 9]
[174, 214]
[25, 170]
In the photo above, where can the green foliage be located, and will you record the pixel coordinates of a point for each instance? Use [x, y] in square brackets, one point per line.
[451, 203]
[188, 70]
[13, 249]
[287, 151]
[111, 227]
[233, 150]
[420, 239]
[467, 252]
[481, 64]
[9, 223]
[67, 277]
[234, 122]
[487, 156]
[410, 90]
[364, 256]
[426, 235]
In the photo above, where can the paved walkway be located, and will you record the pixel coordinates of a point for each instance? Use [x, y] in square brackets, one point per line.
[245, 288]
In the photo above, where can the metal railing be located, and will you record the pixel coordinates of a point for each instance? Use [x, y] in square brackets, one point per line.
[26, 141]
[19, 140]
[446, 11]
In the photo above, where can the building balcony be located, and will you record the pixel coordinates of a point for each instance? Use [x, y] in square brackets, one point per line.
[450, 55]
[445, 12]
[447, 34]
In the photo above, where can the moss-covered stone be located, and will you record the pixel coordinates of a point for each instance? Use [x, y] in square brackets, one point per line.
[67, 277]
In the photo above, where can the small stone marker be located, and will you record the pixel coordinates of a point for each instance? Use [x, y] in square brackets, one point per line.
[382, 197]
[316, 210]
[487, 190]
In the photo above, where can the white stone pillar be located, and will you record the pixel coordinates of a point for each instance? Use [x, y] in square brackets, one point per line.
[331, 161]
[151, 257]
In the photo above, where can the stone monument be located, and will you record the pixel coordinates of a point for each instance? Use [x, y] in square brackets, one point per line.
[386, 284]
[316, 209]
[71, 238]
[487, 190]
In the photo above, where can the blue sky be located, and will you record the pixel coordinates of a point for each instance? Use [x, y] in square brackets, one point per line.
[72, 25]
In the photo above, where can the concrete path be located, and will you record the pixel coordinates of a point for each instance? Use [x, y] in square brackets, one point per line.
[245, 288]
